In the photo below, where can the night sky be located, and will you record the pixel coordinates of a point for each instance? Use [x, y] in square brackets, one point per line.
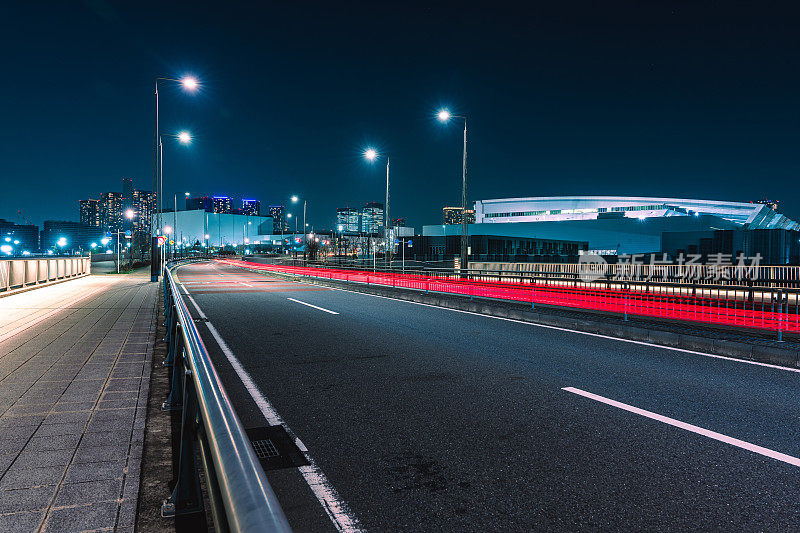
[684, 99]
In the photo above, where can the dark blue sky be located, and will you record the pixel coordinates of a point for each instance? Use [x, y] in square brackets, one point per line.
[687, 99]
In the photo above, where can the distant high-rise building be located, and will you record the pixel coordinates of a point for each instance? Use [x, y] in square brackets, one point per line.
[775, 205]
[452, 215]
[89, 211]
[204, 203]
[279, 223]
[111, 211]
[372, 218]
[398, 222]
[144, 203]
[349, 218]
[127, 194]
[251, 207]
[222, 204]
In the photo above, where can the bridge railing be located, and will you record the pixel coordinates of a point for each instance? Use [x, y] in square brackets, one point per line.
[18, 274]
[741, 306]
[241, 499]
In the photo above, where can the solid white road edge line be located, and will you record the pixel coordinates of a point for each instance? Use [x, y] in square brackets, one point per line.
[600, 335]
[688, 427]
[314, 306]
[338, 511]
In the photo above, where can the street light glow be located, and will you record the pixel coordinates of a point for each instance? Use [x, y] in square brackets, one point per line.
[104, 240]
[288, 215]
[62, 242]
[294, 199]
[370, 154]
[443, 115]
[185, 138]
[167, 230]
[129, 214]
[190, 83]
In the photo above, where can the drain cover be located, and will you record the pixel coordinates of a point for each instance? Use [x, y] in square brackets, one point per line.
[275, 448]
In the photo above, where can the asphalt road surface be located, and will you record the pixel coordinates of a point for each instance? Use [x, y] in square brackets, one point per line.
[417, 418]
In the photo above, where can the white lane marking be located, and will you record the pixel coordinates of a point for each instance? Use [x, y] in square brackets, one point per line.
[38, 319]
[245, 284]
[688, 427]
[546, 326]
[341, 516]
[314, 306]
[199, 311]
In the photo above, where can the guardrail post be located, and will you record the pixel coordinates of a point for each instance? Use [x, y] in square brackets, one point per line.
[175, 398]
[185, 498]
[780, 315]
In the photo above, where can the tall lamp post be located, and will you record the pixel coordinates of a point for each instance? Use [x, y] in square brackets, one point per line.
[189, 84]
[445, 116]
[295, 199]
[371, 155]
[185, 195]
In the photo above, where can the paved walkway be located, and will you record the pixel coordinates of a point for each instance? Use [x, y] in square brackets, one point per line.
[74, 377]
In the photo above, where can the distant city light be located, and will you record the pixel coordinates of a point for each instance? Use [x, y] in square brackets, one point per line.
[104, 240]
[62, 242]
[443, 115]
[247, 251]
[186, 194]
[109, 252]
[129, 214]
[370, 154]
[207, 236]
[184, 137]
[50, 252]
[294, 198]
[6, 248]
[288, 215]
[26, 252]
[94, 245]
[8, 239]
[16, 241]
[167, 230]
[341, 228]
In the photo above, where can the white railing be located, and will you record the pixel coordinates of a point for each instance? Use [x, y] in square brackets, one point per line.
[16, 274]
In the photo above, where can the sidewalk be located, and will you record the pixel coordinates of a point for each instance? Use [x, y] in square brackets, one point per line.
[74, 379]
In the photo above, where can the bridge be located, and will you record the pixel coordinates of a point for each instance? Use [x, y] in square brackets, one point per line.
[341, 399]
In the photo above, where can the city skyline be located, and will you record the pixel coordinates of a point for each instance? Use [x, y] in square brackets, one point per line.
[586, 114]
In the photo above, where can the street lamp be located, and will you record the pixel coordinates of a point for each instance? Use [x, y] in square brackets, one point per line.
[371, 155]
[444, 115]
[295, 199]
[191, 85]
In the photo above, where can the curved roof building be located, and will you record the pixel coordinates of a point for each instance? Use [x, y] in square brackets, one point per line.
[558, 208]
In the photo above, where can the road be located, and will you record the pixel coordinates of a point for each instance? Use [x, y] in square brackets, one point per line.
[418, 418]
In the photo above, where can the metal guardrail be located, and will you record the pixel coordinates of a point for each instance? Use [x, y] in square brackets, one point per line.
[240, 496]
[23, 273]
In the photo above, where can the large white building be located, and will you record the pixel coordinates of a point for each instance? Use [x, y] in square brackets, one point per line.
[619, 224]
[556, 208]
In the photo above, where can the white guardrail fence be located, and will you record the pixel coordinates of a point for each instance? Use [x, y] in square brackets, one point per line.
[23, 273]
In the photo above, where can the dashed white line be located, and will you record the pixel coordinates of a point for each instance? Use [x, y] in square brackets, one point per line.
[314, 306]
[341, 516]
[245, 284]
[689, 427]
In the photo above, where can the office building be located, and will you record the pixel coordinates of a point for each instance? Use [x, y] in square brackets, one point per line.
[21, 237]
[77, 237]
[144, 203]
[349, 218]
[279, 223]
[222, 204]
[398, 222]
[111, 211]
[251, 207]
[372, 218]
[204, 203]
[452, 215]
[89, 211]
